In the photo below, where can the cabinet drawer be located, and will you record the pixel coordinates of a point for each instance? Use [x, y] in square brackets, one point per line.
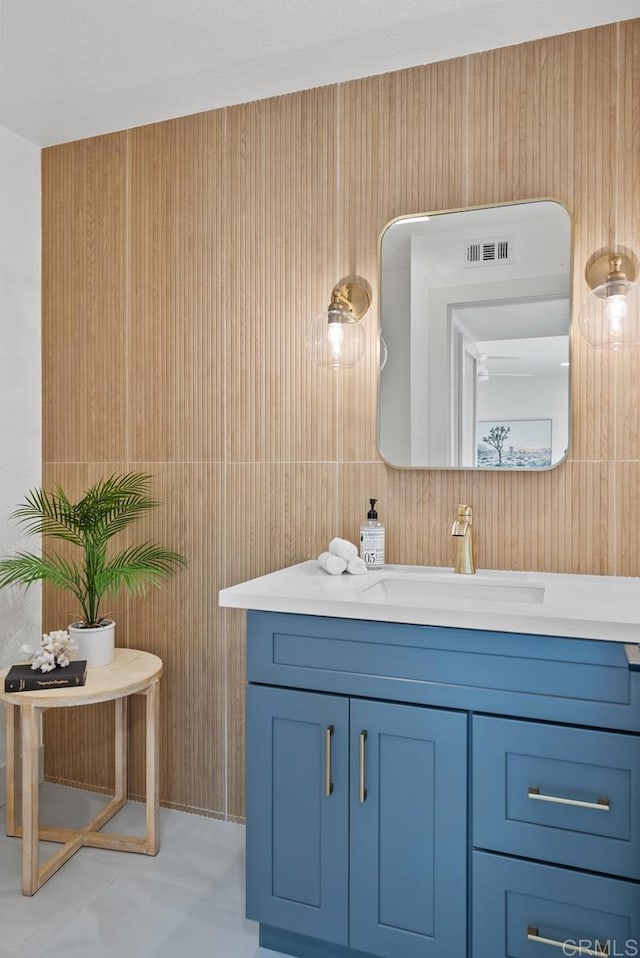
[564, 795]
[526, 910]
[573, 681]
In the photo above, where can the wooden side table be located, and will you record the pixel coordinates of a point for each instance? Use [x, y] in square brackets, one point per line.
[131, 673]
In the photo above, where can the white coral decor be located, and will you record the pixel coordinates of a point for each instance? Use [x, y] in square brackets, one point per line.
[56, 649]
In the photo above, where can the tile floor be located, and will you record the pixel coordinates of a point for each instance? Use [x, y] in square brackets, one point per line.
[188, 902]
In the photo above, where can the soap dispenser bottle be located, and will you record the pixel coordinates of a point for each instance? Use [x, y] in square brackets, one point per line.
[372, 539]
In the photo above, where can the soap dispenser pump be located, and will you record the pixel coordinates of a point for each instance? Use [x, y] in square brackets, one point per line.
[372, 539]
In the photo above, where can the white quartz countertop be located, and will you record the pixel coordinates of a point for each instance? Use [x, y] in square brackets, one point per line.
[575, 606]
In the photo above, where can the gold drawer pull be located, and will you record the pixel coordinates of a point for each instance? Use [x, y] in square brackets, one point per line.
[568, 947]
[602, 805]
[328, 784]
[363, 790]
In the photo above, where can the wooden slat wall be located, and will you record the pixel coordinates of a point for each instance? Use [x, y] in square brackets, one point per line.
[182, 264]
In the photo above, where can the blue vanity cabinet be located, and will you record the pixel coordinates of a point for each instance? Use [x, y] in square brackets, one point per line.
[418, 791]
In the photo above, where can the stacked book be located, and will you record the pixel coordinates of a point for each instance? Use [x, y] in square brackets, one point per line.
[22, 678]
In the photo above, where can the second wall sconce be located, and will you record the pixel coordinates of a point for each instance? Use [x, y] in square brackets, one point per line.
[610, 315]
[337, 337]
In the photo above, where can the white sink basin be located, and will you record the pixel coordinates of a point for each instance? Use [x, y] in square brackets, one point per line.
[448, 589]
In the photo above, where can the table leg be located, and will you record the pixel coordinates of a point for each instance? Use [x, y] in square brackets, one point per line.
[13, 765]
[153, 773]
[121, 747]
[30, 852]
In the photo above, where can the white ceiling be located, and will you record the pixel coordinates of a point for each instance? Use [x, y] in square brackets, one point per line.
[540, 316]
[75, 68]
[541, 356]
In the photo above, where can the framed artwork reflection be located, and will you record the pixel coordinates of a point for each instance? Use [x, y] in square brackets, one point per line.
[514, 444]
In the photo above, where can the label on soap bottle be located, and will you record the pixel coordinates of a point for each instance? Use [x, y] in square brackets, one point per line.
[372, 546]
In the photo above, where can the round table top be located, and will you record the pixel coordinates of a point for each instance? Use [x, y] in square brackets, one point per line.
[131, 671]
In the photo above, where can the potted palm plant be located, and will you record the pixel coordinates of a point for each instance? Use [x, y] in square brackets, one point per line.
[105, 510]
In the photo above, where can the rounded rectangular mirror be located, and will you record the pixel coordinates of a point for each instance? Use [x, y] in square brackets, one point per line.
[475, 308]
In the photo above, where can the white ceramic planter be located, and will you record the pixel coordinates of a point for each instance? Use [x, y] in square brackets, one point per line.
[95, 645]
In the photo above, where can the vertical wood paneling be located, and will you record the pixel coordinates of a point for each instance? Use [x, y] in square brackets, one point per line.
[235, 678]
[627, 518]
[282, 227]
[178, 316]
[182, 264]
[593, 212]
[182, 623]
[554, 521]
[83, 300]
[627, 205]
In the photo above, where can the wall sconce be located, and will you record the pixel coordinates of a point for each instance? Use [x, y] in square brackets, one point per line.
[610, 315]
[337, 337]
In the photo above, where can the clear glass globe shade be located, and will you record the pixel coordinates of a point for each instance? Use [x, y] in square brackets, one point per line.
[334, 342]
[610, 315]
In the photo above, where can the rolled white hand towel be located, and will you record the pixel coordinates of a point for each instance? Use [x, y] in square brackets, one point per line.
[343, 548]
[332, 564]
[356, 566]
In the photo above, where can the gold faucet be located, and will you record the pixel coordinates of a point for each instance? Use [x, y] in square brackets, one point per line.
[461, 529]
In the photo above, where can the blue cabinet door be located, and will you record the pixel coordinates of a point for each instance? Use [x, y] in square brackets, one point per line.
[297, 834]
[408, 879]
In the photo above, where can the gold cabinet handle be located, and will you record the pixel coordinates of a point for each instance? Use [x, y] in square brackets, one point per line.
[569, 948]
[362, 789]
[328, 784]
[602, 805]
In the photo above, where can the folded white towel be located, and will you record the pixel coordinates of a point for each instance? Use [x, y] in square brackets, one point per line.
[332, 564]
[343, 548]
[356, 566]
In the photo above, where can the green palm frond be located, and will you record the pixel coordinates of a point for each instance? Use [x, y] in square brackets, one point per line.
[105, 509]
[25, 568]
[49, 514]
[138, 566]
[112, 504]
